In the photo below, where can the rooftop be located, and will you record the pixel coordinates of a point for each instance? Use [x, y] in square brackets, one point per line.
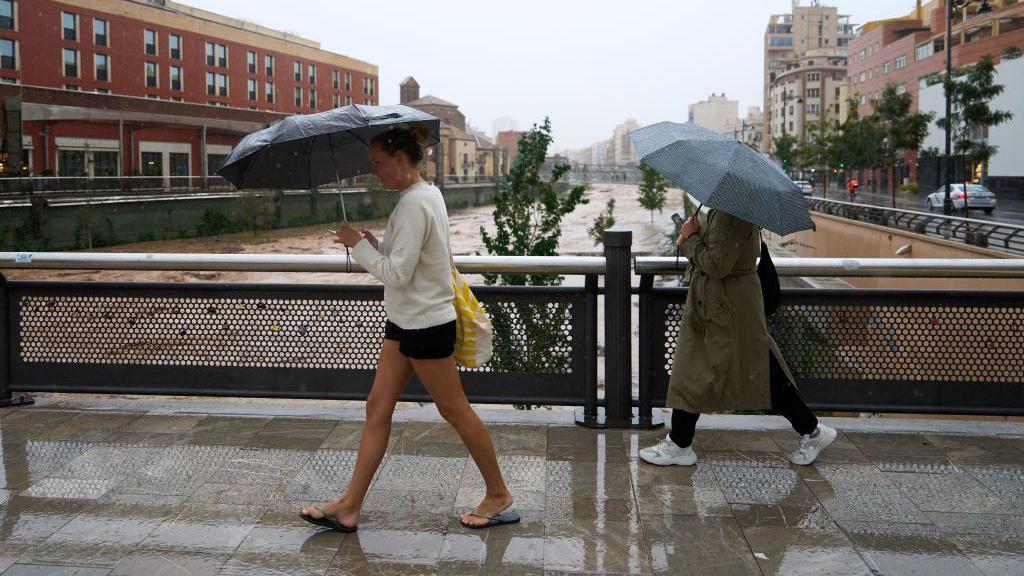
[209, 486]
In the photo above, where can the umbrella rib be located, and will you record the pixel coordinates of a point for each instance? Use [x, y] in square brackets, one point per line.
[309, 163]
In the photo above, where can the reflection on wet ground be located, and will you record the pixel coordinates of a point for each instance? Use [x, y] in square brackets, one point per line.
[119, 492]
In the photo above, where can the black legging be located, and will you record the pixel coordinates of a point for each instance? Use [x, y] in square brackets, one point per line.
[785, 399]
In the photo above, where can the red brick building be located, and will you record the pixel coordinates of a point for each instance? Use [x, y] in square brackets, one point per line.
[187, 65]
[903, 51]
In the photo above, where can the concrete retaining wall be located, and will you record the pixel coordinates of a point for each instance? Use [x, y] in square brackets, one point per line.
[70, 224]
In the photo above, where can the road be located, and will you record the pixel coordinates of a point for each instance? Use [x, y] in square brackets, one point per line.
[1009, 211]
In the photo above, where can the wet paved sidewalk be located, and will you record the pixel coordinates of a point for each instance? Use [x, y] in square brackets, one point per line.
[90, 492]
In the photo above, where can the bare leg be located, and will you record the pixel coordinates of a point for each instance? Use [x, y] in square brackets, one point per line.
[441, 379]
[393, 373]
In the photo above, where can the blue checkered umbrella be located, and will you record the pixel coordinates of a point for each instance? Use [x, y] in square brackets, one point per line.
[724, 174]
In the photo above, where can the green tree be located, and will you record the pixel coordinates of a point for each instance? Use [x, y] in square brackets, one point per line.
[653, 187]
[604, 221]
[856, 146]
[528, 213]
[900, 129]
[971, 91]
[787, 151]
[819, 148]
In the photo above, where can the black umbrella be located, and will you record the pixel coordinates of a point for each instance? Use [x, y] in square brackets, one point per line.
[306, 150]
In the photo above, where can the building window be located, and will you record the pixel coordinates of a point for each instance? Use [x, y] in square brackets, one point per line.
[211, 86]
[174, 41]
[312, 98]
[8, 54]
[348, 100]
[366, 85]
[270, 92]
[70, 21]
[298, 96]
[250, 59]
[152, 96]
[814, 92]
[923, 51]
[102, 63]
[335, 100]
[71, 87]
[812, 109]
[7, 14]
[886, 68]
[298, 71]
[176, 77]
[863, 76]
[901, 62]
[103, 90]
[150, 38]
[151, 74]
[268, 63]
[222, 85]
[335, 79]
[71, 62]
[99, 32]
[348, 82]
[814, 77]
[210, 58]
[312, 73]
[252, 89]
[222, 56]
[373, 86]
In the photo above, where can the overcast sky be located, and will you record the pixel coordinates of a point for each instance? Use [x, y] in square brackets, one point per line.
[588, 65]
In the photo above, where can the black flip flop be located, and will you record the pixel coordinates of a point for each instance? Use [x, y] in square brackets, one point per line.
[508, 517]
[327, 521]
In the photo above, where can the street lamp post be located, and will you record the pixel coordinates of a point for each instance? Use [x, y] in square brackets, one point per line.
[947, 202]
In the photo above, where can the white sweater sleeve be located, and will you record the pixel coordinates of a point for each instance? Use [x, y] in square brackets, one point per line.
[395, 269]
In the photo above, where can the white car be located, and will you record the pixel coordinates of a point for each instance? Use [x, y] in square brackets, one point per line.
[978, 197]
[806, 187]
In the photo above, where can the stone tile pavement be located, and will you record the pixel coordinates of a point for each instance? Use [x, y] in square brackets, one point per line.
[121, 489]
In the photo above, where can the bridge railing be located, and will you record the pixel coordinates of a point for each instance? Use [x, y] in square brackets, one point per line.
[921, 351]
[983, 233]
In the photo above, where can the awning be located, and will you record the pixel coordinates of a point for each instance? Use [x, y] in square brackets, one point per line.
[31, 112]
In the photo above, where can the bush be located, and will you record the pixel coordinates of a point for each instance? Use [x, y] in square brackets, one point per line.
[1011, 53]
[910, 187]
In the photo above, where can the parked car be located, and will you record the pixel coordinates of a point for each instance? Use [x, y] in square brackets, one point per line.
[806, 187]
[978, 197]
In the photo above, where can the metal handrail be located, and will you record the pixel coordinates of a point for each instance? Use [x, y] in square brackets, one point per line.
[284, 263]
[1007, 237]
[818, 267]
[851, 267]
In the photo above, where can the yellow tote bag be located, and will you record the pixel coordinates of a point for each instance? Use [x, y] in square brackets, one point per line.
[473, 331]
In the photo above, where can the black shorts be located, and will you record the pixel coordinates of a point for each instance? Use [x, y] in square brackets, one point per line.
[431, 343]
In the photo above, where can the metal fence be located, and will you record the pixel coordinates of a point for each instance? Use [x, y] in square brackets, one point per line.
[853, 350]
[983, 233]
[84, 185]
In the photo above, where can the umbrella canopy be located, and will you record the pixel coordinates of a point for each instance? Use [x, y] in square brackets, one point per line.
[724, 174]
[307, 150]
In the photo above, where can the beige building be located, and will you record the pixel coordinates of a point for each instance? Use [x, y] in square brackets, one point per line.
[466, 155]
[810, 90]
[801, 50]
[717, 113]
[751, 128]
[621, 151]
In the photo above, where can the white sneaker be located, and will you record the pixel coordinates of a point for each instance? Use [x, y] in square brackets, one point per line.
[812, 444]
[667, 452]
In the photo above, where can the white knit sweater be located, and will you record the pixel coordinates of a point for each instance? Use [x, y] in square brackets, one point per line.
[412, 261]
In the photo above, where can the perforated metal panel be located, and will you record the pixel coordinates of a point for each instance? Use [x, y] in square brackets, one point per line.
[249, 332]
[936, 351]
[278, 340]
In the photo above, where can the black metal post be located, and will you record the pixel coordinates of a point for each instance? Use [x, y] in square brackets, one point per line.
[648, 354]
[589, 416]
[618, 373]
[947, 201]
[7, 398]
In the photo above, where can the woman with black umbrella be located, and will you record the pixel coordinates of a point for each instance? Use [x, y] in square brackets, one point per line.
[413, 262]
